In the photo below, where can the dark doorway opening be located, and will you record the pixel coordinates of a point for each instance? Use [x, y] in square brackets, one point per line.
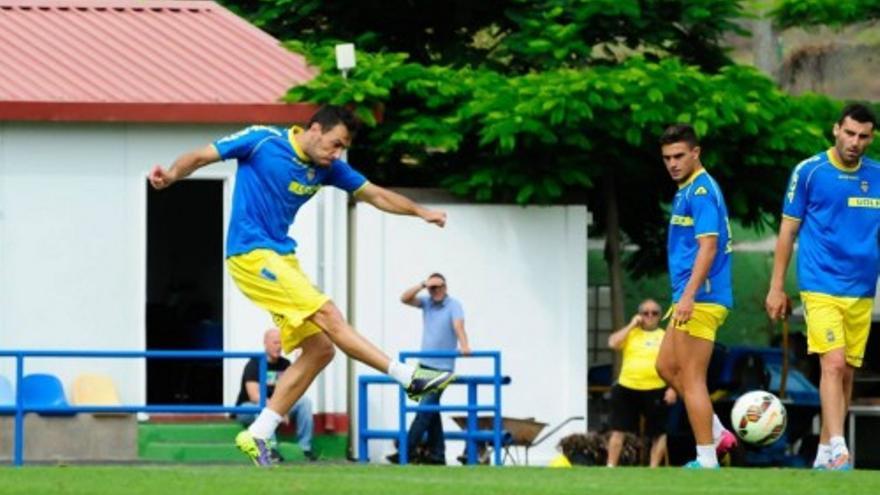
[185, 291]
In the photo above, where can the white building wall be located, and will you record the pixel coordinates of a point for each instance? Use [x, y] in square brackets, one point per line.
[73, 249]
[520, 274]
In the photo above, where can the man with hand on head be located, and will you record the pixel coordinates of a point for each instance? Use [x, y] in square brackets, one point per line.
[442, 330]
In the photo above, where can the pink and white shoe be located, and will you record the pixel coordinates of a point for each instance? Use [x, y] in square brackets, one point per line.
[726, 443]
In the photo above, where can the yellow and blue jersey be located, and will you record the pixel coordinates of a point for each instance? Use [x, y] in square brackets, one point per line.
[273, 180]
[839, 214]
[698, 210]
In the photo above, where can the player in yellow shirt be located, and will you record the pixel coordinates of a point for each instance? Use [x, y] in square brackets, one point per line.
[639, 389]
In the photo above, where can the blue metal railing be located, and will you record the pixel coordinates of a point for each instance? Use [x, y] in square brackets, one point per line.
[471, 435]
[20, 409]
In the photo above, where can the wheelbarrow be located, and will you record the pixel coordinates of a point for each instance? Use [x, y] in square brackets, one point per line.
[519, 432]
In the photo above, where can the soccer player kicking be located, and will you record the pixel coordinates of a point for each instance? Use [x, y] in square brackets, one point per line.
[832, 206]
[278, 171]
[699, 269]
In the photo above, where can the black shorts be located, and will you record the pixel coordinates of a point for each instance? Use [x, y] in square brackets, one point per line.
[627, 405]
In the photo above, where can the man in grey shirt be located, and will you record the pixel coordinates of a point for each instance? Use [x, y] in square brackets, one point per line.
[443, 330]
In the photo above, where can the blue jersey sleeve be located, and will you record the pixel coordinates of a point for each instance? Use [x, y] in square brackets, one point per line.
[242, 143]
[343, 176]
[705, 210]
[795, 202]
[423, 300]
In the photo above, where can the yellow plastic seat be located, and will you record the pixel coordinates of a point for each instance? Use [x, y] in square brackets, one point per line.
[90, 389]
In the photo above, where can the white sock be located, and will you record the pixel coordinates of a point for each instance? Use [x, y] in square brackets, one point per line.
[838, 446]
[706, 455]
[823, 455]
[265, 424]
[401, 372]
[717, 429]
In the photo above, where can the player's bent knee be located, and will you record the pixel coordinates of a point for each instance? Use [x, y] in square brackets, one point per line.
[834, 364]
[325, 351]
[665, 370]
[329, 318]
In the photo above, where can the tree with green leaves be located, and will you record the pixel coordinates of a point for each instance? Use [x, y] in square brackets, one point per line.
[834, 13]
[557, 100]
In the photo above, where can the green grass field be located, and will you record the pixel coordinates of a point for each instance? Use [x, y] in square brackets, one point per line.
[416, 480]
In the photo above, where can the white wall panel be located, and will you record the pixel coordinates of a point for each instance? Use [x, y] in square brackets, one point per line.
[520, 274]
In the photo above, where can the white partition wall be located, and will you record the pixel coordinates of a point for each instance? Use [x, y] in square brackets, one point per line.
[520, 274]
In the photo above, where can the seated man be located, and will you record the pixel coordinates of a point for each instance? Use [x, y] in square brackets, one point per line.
[639, 390]
[300, 414]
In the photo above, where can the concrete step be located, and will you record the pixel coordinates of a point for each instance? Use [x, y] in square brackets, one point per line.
[222, 432]
[215, 442]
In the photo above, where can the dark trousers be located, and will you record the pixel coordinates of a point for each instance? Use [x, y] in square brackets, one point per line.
[430, 424]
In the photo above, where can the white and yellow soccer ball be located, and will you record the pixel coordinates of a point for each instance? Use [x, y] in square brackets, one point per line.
[758, 417]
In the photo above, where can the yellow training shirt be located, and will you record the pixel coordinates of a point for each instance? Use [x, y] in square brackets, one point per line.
[640, 351]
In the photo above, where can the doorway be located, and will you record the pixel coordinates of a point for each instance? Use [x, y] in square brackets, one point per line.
[185, 290]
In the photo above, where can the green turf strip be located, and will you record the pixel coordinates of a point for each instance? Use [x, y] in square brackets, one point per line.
[418, 480]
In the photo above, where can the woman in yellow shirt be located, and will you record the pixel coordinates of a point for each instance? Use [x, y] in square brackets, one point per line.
[639, 389]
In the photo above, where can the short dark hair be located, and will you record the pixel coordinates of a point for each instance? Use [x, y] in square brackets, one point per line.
[678, 133]
[438, 275]
[329, 116]
[859, 112]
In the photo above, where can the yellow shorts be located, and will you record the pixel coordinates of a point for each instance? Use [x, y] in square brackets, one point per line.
[704, 322]
[837, 322]
[276, 283]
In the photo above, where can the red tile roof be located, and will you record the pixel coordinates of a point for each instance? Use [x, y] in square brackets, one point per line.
[142, 61]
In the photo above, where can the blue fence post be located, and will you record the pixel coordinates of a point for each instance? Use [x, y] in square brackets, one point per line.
[471, 423]
[18, 459]
[362, 420]
[264, 369]
[496, 427]
[402, 440]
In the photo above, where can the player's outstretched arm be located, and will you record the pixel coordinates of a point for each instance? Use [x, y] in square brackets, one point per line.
[776, 299]
[183, 166]
[392, 202]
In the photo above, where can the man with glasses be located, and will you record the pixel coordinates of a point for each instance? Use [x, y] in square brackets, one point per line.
[639, 390]
[443, 330]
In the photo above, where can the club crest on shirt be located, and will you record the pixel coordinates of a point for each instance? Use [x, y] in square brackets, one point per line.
[310, 174]
[829, 335]
[864, 186]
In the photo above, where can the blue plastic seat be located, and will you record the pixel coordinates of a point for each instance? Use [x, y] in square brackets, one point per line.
[43, 390]
[7, 395]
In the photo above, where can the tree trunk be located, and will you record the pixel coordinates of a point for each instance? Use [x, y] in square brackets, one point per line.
[613, 252]
[766, 48]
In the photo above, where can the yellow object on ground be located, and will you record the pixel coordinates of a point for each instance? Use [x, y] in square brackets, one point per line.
[560, 461]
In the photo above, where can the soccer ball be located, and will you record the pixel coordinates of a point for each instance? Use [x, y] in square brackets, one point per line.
[758, 417]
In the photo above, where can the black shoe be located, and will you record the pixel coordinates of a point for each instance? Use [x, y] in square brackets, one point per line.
[393, 458]
[425, 380]
[275, 456]
[310, 455]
